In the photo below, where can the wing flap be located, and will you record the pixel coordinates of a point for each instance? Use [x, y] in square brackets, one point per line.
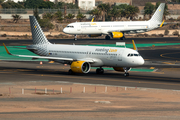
[26, 48]
[45, 57]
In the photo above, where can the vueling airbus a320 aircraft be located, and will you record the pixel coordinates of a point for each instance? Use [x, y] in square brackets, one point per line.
[116, 29]
[80, 57]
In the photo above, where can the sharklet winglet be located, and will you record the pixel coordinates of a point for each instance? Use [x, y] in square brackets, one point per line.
[134, 45]
[6, 49]
[162, 24]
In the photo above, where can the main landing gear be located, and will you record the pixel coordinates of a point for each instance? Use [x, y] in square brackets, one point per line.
[123, 38]
[107, 37]
[99, 70]
[70, 72]
[75, 37]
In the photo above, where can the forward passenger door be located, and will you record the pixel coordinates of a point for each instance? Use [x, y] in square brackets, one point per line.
[119, 56]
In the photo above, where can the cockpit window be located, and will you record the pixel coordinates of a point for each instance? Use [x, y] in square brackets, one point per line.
[130, 55]
[70, 26]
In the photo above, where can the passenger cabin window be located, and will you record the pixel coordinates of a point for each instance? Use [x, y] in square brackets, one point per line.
[70, 26]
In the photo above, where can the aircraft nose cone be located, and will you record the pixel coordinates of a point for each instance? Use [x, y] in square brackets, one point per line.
[141, 61]
[65, 30]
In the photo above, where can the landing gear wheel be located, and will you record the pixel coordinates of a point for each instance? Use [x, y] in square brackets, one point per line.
[107, 37]
[70, 72]
[123, 38]
[75, 37]
[99, 71]
[126, 74]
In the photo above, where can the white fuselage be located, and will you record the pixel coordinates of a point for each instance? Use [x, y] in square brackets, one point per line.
[102, 56]
[130, 27]
[109, 27]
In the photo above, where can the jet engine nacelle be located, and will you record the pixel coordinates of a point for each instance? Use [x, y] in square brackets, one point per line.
[80, 67]
[122, 69]
[94, 35]
[116, 34]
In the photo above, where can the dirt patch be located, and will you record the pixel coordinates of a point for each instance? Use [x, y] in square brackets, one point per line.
[89, 103]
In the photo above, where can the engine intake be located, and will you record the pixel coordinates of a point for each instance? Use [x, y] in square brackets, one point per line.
[80, 67]
[116, 34]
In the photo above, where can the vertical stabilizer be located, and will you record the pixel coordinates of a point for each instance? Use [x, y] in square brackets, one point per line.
[37, 33]
[158, 15]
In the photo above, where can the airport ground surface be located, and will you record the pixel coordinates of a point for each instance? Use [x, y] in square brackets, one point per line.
[132, 104]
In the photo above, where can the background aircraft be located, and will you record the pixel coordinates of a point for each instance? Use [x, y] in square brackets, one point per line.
[80, 57]
[116, 29]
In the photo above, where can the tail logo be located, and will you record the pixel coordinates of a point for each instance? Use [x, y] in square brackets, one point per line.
[159, 9]
[35, 26]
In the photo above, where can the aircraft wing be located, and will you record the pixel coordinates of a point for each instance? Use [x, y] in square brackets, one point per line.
[49, 58]
[26, 48]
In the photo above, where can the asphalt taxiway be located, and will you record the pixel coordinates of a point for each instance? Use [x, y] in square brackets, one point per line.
[95, 41]
[18, 71]
[164, 60]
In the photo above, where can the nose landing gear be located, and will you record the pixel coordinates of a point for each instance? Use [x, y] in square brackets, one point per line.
[123, 38]
[75, 37]
[126, 74]
[126, 69]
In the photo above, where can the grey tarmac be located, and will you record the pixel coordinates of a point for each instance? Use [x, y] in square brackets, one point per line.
[149, 95]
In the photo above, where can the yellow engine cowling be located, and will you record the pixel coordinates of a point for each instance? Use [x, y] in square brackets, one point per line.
[116, 34]
[80, 67]
[122, 69]
[94, 35]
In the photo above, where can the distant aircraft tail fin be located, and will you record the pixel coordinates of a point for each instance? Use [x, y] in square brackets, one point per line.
[134, 46]
[158, 15]
[37, 33]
